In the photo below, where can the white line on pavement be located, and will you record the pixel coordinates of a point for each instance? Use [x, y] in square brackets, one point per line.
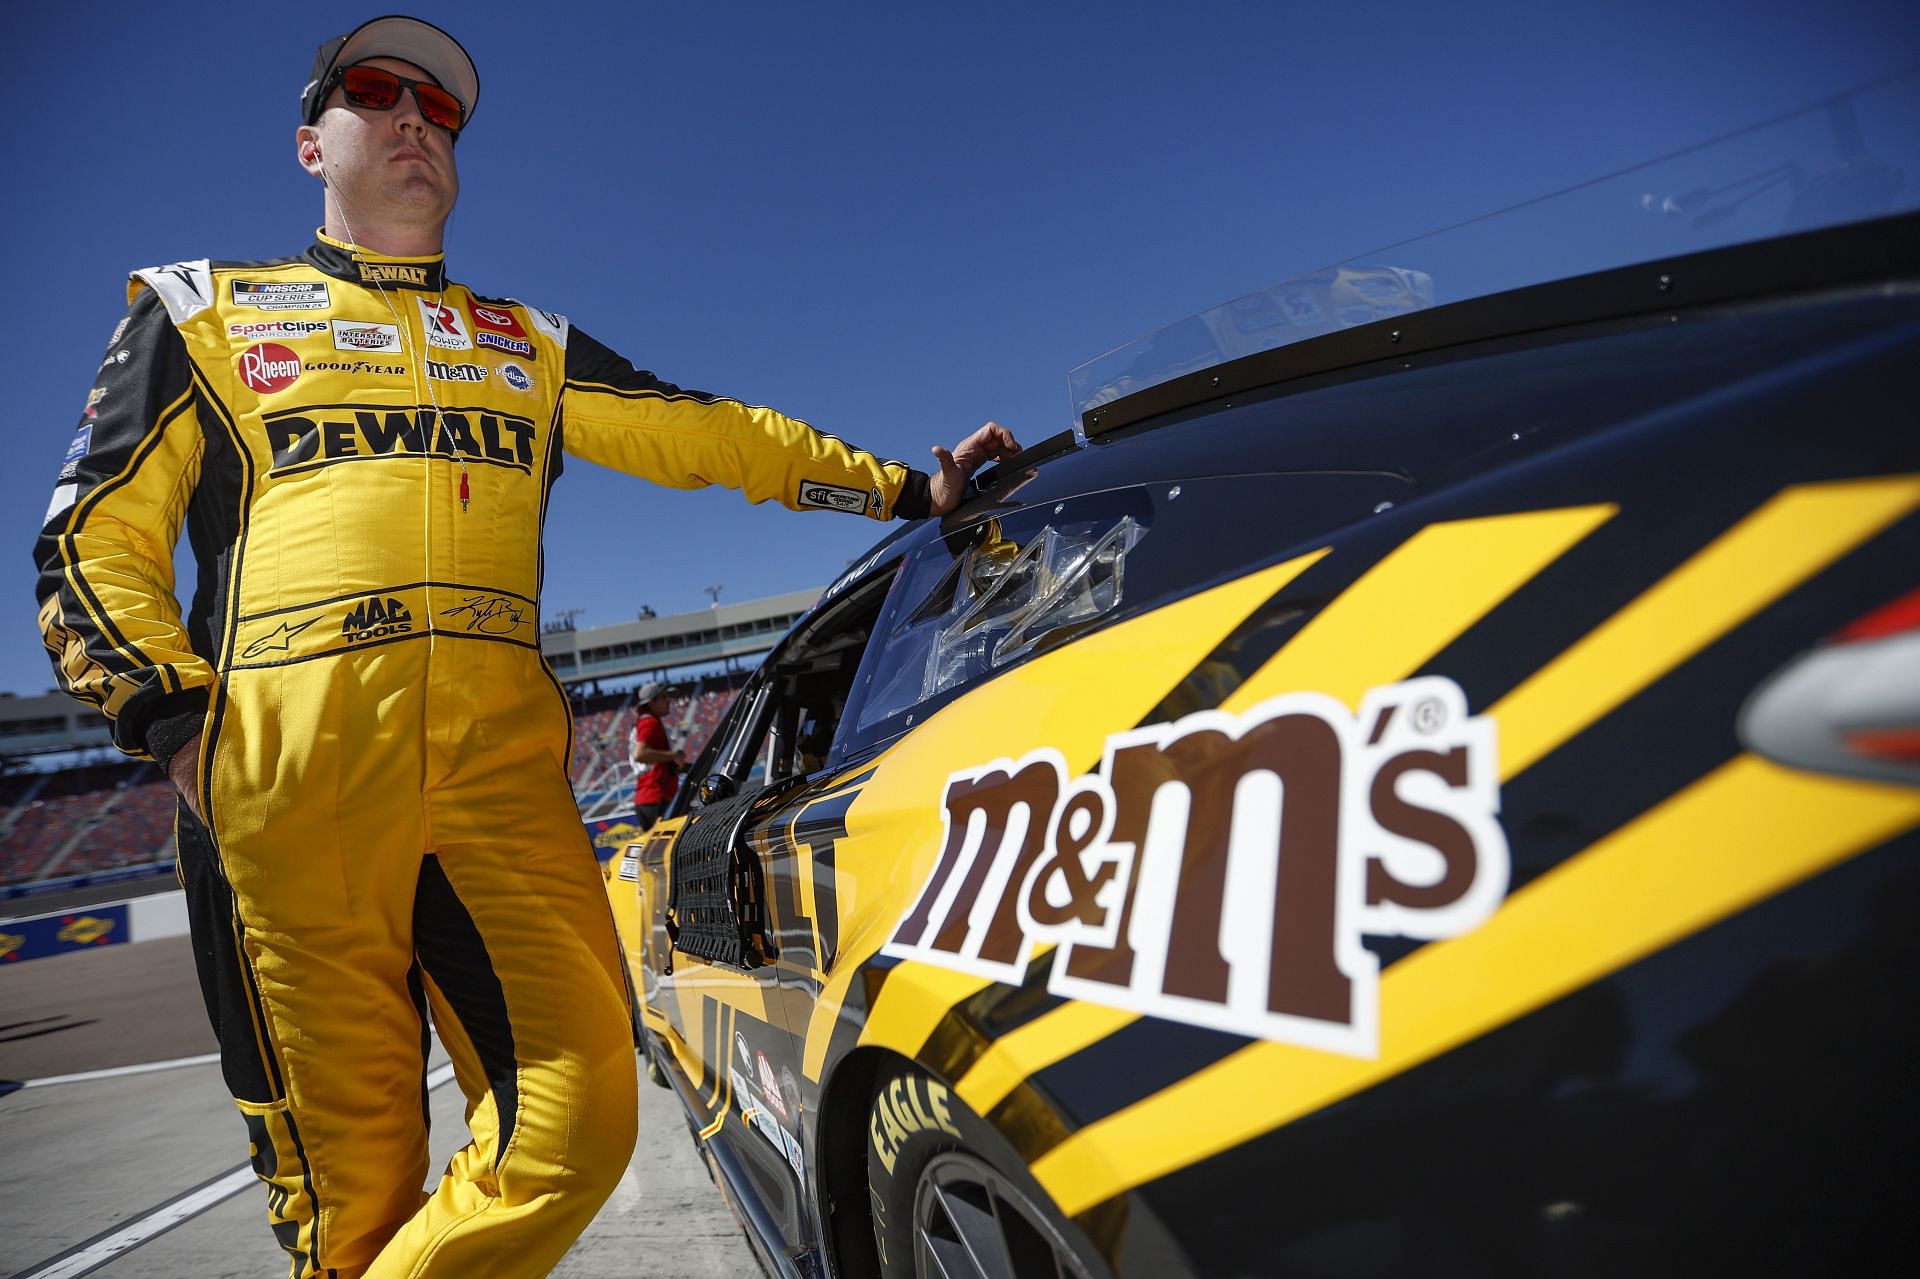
[113, 1071]
[90, 1256]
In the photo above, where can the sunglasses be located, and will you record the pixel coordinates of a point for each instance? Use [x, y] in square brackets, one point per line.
[376, 89]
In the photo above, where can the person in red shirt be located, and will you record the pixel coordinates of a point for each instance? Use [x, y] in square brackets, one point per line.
[656, 764]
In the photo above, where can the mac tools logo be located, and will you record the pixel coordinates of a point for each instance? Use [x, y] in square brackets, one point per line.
[267, 367]
[443, 326]
[375, 618]
[1221, 870]
[499, 329]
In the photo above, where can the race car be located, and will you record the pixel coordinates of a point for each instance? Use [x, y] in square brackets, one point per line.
[1441, 796]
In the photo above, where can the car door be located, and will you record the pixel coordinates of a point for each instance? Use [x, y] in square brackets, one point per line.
[736, 893]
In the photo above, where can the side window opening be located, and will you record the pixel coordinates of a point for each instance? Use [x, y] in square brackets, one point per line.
[792, 718]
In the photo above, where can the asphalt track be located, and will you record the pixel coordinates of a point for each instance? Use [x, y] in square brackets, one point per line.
[88, 1161]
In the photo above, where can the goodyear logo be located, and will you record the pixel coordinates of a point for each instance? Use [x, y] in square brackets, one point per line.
[302, 439]
[1222, 870]
[10, 944]
[392, 273]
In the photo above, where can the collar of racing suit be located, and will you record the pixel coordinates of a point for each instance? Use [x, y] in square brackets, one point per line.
[363, 266]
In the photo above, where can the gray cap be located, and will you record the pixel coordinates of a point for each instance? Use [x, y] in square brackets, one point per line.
[651, 689]
[394, 36]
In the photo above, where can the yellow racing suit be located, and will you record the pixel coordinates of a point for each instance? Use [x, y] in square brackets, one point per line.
[363, 453]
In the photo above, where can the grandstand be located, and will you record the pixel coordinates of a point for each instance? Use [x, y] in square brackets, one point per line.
[70, 807]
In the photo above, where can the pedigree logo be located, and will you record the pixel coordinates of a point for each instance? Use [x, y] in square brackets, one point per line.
[267, 367]
[1221, 870]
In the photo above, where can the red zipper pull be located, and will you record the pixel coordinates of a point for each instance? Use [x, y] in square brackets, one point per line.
[463, 486]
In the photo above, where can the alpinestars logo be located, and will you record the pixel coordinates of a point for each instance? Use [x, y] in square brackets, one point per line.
[376, 618]
[1221, 870]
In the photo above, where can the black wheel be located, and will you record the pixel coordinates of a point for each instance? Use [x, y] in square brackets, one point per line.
[951, 1200]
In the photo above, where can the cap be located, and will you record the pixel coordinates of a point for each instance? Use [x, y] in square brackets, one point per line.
[394, 36]
[651, 689]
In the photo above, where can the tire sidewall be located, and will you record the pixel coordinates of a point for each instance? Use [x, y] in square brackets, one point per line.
[912, 1118]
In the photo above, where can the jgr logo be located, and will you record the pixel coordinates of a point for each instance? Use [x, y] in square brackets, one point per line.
[1222, 870]
[374, 618]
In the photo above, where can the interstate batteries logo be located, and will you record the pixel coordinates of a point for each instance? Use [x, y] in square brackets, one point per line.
[352, 335]
[1222, 870]
[300, 295]
[267, 367]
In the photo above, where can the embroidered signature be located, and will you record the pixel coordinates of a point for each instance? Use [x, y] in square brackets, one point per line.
[490, 614]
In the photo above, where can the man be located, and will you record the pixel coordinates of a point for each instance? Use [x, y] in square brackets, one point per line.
[656, 764]
[371, 754]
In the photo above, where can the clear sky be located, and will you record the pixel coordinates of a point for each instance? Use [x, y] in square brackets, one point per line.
[895, 220]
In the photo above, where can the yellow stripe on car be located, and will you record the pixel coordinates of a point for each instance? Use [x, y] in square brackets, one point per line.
[1783, 543]
[1743, 833]
[1415, 602]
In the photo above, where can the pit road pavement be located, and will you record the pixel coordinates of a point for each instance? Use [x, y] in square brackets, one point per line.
[81, 1158]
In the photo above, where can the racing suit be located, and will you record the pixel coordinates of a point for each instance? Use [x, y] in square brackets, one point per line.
[363, 452]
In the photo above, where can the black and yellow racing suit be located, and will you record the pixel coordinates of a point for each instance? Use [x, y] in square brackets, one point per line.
[363, 453]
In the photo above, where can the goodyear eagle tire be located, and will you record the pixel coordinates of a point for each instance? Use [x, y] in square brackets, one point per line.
[950, 1197]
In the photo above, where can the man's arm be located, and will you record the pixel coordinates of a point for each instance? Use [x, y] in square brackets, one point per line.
[627, 419]
[105, 551]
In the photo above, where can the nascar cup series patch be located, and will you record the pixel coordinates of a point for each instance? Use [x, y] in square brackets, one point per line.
[1221, 870]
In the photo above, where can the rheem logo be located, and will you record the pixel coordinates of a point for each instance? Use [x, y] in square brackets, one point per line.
[1222, 870]
[267, 367]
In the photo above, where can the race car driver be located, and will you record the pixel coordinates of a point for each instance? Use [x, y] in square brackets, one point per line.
[376, 819]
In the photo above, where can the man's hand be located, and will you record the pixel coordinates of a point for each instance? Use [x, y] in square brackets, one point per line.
[184, 771]
[988, 444]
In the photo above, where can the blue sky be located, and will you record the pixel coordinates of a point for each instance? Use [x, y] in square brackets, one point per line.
[894, 220]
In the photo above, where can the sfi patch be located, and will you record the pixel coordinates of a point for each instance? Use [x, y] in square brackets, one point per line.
[1221, 870]
[831, 497]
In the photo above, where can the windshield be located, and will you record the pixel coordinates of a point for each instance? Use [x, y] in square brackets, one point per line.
[1848, 159]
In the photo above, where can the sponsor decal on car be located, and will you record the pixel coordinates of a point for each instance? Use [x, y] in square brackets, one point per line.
[291, 330]
[354, 335]
[831, 497]
[267, 367]
[299, 295]
[770, 1087]
[393, 273]
[443, 326]
[1221, 870]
